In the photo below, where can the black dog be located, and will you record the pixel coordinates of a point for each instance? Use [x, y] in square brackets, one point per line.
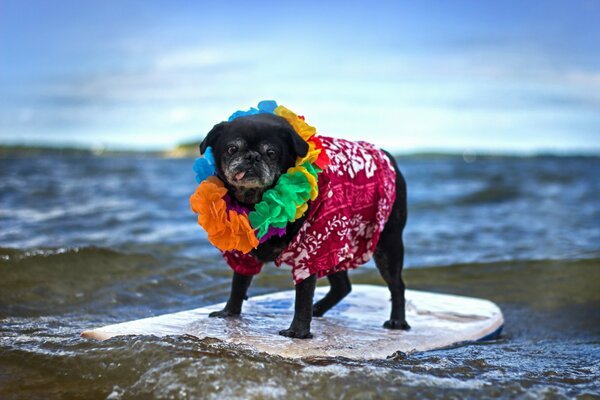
[251, 153]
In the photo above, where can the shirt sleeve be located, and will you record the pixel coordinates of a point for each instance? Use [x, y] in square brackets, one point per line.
[244, 264]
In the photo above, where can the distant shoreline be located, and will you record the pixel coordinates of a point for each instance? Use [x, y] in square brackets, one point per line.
[191, 151]
[23, 150]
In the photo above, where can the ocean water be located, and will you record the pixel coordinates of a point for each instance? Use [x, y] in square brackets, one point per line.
[87, 241]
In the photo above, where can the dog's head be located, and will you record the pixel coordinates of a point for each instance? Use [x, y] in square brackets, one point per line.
[251, 152]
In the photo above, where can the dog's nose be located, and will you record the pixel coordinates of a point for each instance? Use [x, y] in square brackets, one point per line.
[253, 156]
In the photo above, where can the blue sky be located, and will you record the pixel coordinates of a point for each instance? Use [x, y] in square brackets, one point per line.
[506, 76]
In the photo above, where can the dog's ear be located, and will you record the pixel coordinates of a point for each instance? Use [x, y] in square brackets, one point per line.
[298, 144]
[211, 137]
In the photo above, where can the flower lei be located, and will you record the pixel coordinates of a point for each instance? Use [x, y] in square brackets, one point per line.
[232, 227]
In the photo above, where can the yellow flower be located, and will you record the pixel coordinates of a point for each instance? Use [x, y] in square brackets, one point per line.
[302, 128]
[301, 210]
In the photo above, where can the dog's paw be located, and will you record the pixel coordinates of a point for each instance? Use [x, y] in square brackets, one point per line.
[223, 314]
[296, 334]
[396, 324]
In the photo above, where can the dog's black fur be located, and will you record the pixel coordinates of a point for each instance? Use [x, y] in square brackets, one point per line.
[259, 148]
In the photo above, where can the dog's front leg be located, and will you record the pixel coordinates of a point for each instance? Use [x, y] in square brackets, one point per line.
[300, 327]
[239, 287]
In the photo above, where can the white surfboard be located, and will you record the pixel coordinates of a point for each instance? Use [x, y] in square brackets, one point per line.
[351, 329]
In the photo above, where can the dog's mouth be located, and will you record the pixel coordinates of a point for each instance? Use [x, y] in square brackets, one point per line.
[246, 176]
[240, 175]
[247, 184]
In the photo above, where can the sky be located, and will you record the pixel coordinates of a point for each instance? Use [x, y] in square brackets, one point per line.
[504, 76]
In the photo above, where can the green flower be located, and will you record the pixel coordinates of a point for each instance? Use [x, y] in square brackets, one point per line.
[279, 204]
[275, 198]
[260, 218]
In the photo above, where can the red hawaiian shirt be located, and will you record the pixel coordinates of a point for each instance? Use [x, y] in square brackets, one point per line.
[344, 223]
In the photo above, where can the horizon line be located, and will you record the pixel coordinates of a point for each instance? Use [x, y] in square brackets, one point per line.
[468, 153]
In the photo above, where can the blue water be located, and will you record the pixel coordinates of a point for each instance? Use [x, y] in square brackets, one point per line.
[489, 210]
[87, 241]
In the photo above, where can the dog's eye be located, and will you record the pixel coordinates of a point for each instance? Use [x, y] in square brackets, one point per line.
[271, 153]
[231, 150]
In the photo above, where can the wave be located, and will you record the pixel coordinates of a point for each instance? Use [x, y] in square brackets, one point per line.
[96, 280]
[48, 296]
[490, 194]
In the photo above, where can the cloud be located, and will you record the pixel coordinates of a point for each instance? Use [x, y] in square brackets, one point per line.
[589, 79]
[396, 99]
[196, 58]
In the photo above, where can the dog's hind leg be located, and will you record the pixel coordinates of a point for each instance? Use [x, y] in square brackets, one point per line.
[340, 287]
[389, 254]
[389, 261]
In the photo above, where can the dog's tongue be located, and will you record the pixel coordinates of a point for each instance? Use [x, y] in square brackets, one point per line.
[240, 175]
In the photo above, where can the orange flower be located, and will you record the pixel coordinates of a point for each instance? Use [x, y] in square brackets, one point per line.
[209, 192]
[226, 231]
[243, 232]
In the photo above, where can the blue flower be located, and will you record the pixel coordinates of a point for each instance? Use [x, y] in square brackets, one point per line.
[267, 106]
[205, 166]
[264, 107]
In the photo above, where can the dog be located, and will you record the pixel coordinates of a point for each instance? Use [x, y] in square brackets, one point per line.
[251, 153]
